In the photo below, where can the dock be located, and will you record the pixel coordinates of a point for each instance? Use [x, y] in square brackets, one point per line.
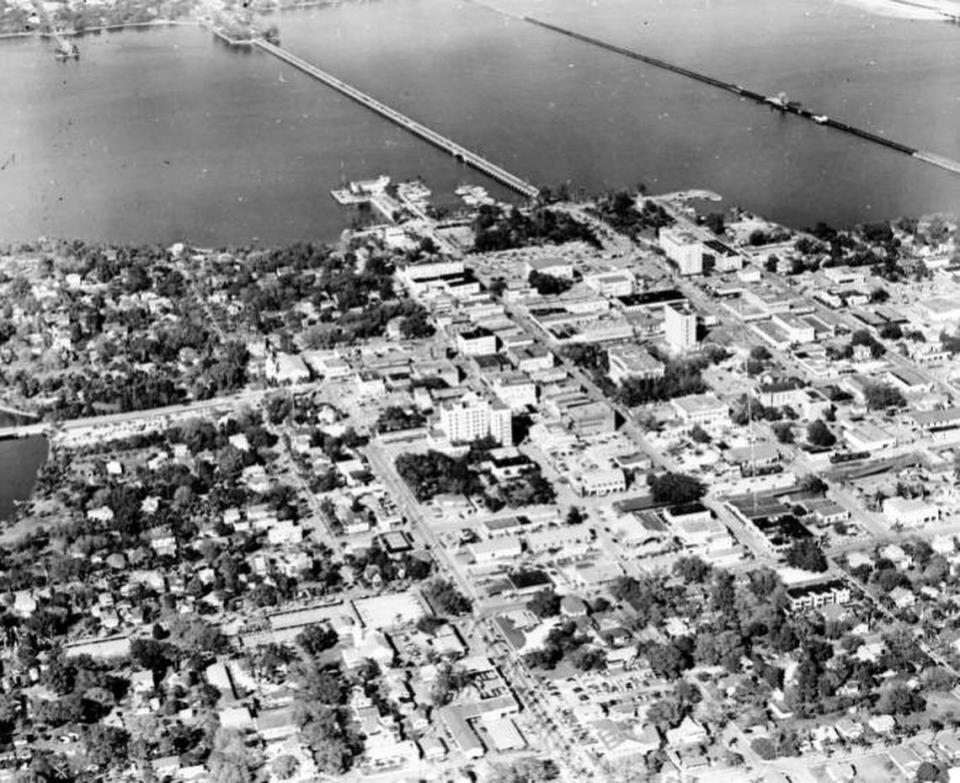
[461, 153]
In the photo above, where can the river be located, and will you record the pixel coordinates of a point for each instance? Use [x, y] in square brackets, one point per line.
[164, 134]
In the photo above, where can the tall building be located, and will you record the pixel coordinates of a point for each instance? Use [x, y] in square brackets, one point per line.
[680, 326]
[683, 249]
[472, 417]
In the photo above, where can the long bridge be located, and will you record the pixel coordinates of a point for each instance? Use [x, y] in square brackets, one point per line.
[778, 103]
[473, 159]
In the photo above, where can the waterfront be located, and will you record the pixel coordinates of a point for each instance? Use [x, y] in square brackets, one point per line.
[20, 459]
[164, 134]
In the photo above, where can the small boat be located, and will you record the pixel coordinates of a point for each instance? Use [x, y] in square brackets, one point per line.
[67, 51]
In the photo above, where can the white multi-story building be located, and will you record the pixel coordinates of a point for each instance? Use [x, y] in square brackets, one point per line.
[683, 248]
[610, 283]
[472, 417]
[632, 361]
[477, 342]
[680, 326]
[515, 390]
[704, 409]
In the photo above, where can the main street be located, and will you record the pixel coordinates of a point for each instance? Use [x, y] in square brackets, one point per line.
[512, 667]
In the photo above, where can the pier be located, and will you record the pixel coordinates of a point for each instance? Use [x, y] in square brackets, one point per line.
[778, 103]
[461, 153]
[65, 49]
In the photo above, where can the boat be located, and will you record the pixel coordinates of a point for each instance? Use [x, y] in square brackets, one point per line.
[67, 51]
[820, 119]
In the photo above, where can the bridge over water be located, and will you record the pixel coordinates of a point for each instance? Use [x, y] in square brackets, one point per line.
[471, 158]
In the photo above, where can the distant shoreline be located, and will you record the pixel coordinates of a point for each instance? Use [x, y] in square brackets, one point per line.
[188, 21]
[920, 10]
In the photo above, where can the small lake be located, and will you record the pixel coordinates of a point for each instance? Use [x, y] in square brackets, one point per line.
[20, 460]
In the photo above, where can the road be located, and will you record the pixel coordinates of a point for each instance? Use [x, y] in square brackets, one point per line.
[158, 416]
[516, 672]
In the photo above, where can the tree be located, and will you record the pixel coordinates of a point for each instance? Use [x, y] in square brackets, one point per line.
[446, 598]
[805, 553]
[666, 713]
[898, 699]
[715, 222]
[675, 488]
[317, 638]
[692, 569]
[764, 748]
[667, 661]
[285, 767]
[891, 331]
[417, 325]
[699, 435]
[880, 396]
[450, 681]
[929, 772]
[574, 516]
[813, 484]
[783, 431]
[106, 746]
[545, 603]
[819, 434]
[528, 769]
[589, 659]
[548, 285]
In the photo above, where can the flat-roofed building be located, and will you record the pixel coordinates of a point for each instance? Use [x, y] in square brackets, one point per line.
[866, 436]
[818, 594]
[683, 249]
[601, 482]
[780, 393]
[632, 361]
[798, 330]
[477, 342]
[611, 283]
[287, 368]
[772, 333]
[910, 512]
[471, 418]
[532, 358]
[844, 275]
[552, 265]
[516, 390]
[940, 309]
[569, 538]
[590, 418]
[937, 420]
[650, 300]
[680, 326]
[704, 409]
[495, 549]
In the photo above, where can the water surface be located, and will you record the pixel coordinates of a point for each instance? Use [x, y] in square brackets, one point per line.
[20, 459]
[164, 134]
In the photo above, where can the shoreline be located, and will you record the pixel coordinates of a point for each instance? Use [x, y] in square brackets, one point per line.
[184, 22]
[916, 10]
